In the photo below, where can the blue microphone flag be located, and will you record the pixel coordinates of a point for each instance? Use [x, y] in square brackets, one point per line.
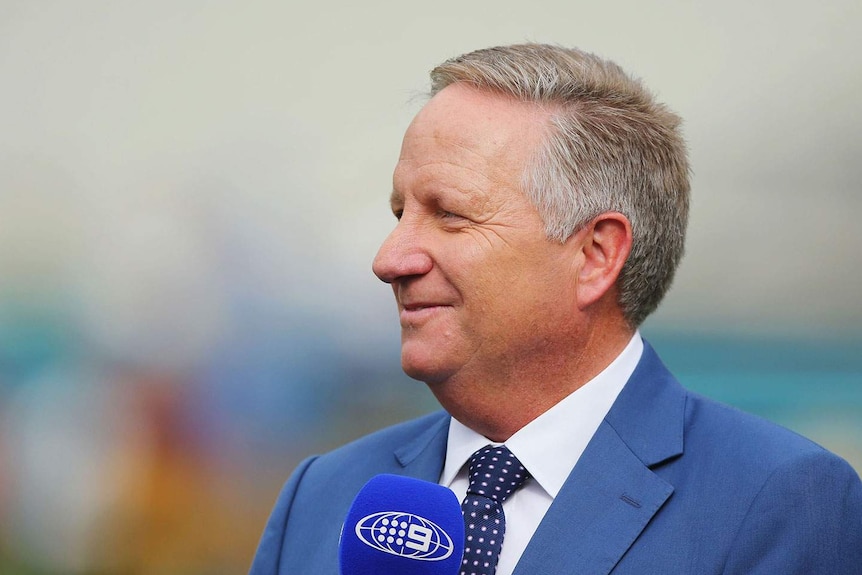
[402, 526]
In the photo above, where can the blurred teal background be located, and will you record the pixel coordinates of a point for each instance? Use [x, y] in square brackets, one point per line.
[191, 194]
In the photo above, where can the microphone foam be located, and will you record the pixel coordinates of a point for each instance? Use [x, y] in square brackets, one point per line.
[402, 526]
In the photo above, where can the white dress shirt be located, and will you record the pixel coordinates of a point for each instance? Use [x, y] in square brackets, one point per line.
[549, 447]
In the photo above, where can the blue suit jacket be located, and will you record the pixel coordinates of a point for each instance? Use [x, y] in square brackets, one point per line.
[671, 483]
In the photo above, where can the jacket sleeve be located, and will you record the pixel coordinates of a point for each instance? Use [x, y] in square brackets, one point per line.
[268, 556]
[807, 518]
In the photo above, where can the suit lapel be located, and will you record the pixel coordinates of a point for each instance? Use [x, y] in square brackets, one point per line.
[423, 457]
[611, 494]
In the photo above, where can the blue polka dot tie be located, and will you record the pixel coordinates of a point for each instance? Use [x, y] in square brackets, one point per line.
[495, 473]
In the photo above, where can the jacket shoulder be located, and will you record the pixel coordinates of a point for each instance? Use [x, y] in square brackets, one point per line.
[743, 437]
[304, 529]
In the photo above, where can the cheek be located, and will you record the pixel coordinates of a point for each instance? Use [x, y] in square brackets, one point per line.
[534, 286]
[496, 276]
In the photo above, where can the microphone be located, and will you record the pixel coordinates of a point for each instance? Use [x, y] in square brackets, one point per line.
[402, 526]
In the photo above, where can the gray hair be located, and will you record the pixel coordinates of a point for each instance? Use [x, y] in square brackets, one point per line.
[610, 147]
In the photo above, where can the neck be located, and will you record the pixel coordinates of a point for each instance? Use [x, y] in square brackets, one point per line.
[500, 401]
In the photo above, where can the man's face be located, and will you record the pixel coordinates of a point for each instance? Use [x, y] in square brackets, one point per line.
[480, 289]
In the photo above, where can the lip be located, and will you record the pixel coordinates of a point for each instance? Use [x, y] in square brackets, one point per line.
[416, 313]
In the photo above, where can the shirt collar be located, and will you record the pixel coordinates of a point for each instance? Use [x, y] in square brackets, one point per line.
[550, 445]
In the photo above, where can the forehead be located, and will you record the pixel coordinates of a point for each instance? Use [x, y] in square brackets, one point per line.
[469, 136]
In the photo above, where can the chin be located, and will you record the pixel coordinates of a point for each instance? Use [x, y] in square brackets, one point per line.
[419, 372]
[423, 368]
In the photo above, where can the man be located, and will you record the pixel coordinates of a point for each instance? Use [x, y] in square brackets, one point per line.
[542, 198]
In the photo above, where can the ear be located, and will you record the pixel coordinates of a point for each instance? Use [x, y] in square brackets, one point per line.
[605, 244]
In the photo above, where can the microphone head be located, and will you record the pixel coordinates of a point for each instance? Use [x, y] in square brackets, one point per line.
[402, 526]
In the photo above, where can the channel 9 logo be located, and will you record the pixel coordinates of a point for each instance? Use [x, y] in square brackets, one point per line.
[406, 535]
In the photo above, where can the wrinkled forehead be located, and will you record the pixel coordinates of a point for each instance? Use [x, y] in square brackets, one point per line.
[469, 143]
[478, 119]
[475, 131]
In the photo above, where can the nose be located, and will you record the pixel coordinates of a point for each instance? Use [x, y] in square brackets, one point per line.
[402, 254]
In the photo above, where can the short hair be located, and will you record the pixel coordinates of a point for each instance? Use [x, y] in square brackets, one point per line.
[610, 147]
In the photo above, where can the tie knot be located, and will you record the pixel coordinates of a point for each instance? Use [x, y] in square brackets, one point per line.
[496, 473]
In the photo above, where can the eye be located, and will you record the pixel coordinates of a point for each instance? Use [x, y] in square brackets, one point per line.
[447, 215]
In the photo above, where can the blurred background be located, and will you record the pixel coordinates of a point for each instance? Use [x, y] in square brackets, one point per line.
[191, 194]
